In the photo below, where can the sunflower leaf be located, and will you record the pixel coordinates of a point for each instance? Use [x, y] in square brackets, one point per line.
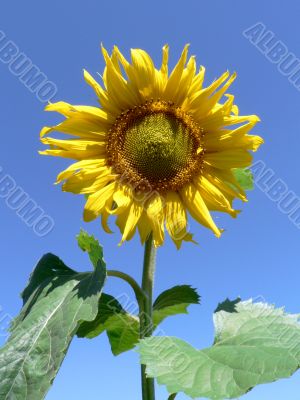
[49, 267]
[174, 301]
[123, 328]
[91, 245]
[123, 332]
[56, 300]
[228, 305]
[244, 177]
[256, 344]
[108, 306]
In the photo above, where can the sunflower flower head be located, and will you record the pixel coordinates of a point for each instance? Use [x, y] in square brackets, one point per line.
[158, 147]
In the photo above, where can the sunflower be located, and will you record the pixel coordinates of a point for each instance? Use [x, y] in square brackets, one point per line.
[159, 147]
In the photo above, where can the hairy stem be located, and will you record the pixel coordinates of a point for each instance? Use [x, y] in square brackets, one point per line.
[146, 322]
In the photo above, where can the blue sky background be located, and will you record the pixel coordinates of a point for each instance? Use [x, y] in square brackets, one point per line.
[258, 255]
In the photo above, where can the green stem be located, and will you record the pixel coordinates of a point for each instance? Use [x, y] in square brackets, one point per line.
[138, 291]
[146, 322]
[172, 396]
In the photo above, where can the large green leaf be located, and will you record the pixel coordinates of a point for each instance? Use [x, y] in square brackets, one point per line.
[255, 344]
[56, 301]
[49, 267]
[123, 329]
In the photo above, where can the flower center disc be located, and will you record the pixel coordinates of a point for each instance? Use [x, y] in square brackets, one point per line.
[156, 145]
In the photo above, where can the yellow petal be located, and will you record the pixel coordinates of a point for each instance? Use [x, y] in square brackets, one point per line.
[84, 164]
[84, 128]
[93, 83]
[229, 140]
[216, 118]
[88, 112]
[227, 159]
[165, 59]
[107, 105]
[212, 100]
[144, 227]
[74, 148]
[175, 76]
[122, 199]
[225, 181]
[96, 202]
[155, 213]
[118, 90]
[197, 207]
[176, 219]
[185, 82]
[105, 216]
[143, 74]
[121, 58]
[76, 154]
[128, 221]
[213, 197]
[72, 144]
[86, 182]
[238, 119]
[164, 66]
[204, 101]
[197, 81]
[225, 139]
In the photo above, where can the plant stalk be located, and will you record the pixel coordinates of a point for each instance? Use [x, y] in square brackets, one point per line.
[138, 291]
[146, 321]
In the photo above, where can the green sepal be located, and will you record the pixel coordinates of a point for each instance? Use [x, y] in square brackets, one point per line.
[244, 177]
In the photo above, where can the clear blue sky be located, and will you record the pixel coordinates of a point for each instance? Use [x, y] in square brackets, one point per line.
[258, 255]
